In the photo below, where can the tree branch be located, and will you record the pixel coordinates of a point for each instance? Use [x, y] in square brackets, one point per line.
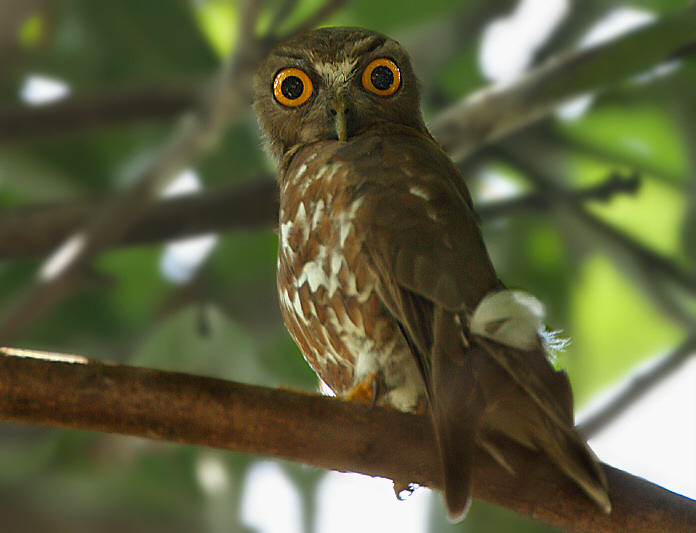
[71, 392]
[87, 112]
[36, 231]
[639, 387]
[489, 115]
[614, 185]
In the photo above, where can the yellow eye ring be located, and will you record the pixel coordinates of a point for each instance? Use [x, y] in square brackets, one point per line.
[292, 87]
[381, 77]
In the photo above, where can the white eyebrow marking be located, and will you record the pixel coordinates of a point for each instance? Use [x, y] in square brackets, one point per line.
[334, 73]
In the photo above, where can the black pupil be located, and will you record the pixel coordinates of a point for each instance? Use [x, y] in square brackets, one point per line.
[382, 78]
[292, 87]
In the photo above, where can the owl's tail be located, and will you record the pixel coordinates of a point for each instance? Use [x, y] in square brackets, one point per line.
[527, 400]
[457, 407]
[530, 403]
[481, 388]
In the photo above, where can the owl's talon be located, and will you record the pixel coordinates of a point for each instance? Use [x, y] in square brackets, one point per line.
[404, 490]
[366, 391]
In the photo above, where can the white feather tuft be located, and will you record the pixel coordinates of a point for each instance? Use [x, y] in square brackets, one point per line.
[553, 342]
[514, 318]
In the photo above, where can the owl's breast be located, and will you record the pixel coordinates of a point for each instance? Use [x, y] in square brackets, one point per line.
[327, 284]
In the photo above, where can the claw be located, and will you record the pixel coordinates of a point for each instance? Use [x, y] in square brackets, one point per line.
[404, 490]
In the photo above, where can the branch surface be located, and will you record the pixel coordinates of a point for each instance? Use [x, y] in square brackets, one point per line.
[71, 392]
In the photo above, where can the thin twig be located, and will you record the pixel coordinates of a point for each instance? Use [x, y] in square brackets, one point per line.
[613, 185]
[557, 140]
[320, 431]
[638, 388]
[576, 22]
[652, 271]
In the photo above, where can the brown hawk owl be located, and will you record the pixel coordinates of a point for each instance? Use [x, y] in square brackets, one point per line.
[383, 278]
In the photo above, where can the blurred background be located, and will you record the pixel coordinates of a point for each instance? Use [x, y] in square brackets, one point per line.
[92, 94]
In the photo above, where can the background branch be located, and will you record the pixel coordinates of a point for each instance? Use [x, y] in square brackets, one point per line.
[36, 231]
[615, 184]
[652, 271]
[71, 392]
[492, 113]
[84, 112]
[637, 388]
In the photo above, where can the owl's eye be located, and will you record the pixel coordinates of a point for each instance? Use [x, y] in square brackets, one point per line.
[382, 77]
[292, 87]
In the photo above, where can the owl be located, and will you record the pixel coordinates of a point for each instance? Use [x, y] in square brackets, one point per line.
[384, 280]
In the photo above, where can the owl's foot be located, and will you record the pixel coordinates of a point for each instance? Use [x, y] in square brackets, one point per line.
[366, 391]
[404, 490]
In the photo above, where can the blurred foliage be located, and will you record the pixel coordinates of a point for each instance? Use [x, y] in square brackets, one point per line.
[225, 322]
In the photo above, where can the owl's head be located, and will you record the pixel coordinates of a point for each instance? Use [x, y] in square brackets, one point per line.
[333, 83]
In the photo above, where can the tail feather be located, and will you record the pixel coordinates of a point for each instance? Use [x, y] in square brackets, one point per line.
[529, 401]
[456, 455]
[574, 458]
[481, 388]
[456, 409]
[523, 407]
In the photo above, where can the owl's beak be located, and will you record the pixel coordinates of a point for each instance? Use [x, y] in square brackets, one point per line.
[338, 108]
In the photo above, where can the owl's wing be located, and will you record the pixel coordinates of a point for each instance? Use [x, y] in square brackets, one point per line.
[424, 240]
[423, 237]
